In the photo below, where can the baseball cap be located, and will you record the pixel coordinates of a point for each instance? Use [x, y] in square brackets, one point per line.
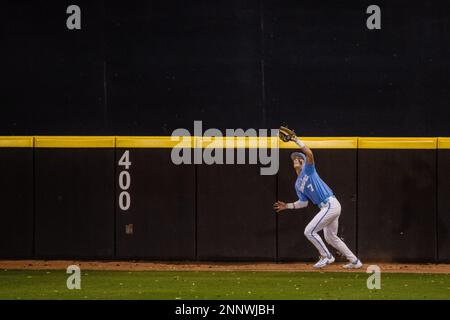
[298, 155]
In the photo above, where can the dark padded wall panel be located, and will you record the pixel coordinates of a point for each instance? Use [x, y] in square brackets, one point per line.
[337, 167]
[397, 205]
[327, 74]
[148, 66]
[16, 197]
[53, 77]
[74, 203]
[162, 207]
[235, 220]
[172, 62]
[444, 205]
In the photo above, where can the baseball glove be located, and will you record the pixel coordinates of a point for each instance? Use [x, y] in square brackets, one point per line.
[286, 134]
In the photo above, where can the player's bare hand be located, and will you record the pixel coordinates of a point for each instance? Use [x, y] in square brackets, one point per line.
[279, 206]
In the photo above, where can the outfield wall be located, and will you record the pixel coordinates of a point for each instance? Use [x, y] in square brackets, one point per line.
[123, 198]
[147, 67]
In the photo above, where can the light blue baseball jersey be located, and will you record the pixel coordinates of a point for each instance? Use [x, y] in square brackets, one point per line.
[309, 186]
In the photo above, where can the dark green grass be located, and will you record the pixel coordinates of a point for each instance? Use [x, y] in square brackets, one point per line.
[42, 284]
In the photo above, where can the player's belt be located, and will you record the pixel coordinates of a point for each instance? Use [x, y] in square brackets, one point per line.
[325, 202]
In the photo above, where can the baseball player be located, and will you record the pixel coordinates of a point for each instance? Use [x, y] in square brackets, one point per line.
[310, 187]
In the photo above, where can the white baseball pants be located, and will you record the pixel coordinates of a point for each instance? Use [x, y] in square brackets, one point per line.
[328, 220]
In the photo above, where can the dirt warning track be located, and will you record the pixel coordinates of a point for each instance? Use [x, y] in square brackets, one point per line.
[219, 266]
